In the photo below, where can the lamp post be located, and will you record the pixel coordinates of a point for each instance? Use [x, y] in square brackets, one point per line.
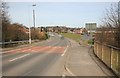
[34, 15]
[30, 41]
[119, 12]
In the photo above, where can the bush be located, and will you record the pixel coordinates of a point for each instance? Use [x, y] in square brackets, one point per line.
[91, 42]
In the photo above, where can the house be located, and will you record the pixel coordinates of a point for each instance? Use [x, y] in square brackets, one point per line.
[64, 29]
[80, 31]
[70, 30]
[49, 29]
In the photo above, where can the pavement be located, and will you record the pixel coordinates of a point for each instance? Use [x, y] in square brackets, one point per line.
[54, 57]
[82, 62]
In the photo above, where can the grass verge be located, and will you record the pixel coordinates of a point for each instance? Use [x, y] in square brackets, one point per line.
[72, 36]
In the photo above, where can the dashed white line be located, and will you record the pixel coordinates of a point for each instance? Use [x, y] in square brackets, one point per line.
[19, 57]
[65, 51]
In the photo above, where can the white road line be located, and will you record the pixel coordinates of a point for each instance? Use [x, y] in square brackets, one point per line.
[27, 74]
[70, 72]
[19, 57]
[65, 51]
[63, 76]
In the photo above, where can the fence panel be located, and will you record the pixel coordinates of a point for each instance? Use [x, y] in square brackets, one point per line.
[114, 60]
[99, 51]
[119, 62]
[106, 55]
[95, 48]
[109, 55]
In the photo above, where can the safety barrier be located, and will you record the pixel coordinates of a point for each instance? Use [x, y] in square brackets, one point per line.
[11, 43]
[109, 55]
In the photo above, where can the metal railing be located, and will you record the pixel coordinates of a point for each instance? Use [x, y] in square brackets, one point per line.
[109, 55]
[16, 42]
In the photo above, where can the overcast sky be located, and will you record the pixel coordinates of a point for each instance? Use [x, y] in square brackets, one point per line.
[72, 14]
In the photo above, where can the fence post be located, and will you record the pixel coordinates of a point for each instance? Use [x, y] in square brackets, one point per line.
[111, 57]
[118, 61]
[97, 50]
[102, 52]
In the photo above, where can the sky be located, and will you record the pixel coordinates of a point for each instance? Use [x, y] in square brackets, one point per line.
[61, 0]
[70, 14]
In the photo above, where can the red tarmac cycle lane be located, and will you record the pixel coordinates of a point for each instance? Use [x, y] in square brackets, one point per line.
[49, 49]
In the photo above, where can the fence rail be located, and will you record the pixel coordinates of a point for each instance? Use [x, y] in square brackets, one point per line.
[16, 42]
[109, 55]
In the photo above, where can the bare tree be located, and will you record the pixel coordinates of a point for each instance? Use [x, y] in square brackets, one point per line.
[118, 38]
[5, 20]
[111, 23]
[4, 13]
[0, 23]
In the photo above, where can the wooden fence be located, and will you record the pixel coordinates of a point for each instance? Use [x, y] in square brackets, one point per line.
[109, 55]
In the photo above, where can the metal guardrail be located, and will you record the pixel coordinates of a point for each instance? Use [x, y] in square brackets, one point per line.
[15, 42]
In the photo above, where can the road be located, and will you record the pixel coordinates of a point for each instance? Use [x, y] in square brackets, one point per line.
[47, 58]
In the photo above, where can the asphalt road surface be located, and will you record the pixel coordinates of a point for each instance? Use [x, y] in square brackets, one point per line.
[47, 58]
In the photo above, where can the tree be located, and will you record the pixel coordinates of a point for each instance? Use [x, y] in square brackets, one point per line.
[111, 22]
[5, 15]
[5, 20]
[15, 31]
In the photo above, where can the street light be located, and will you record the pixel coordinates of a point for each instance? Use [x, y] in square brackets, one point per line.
[34, 15]
[30, 41]
[119, 12]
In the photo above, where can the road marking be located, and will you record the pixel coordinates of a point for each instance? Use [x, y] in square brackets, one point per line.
[19, 57]
[65, 51]
[70, 72]
[27, 74]
[63, 76]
